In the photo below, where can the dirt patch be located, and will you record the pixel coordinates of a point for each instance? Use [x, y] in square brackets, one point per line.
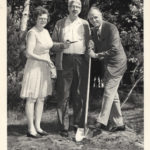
[131, 139]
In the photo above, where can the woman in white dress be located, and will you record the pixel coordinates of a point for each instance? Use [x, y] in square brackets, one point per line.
[37, 83]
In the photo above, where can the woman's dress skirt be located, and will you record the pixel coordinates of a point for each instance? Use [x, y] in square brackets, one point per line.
[36, 80]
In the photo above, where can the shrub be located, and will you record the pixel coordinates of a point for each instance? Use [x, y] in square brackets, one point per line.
[126, 15]
[15, 60]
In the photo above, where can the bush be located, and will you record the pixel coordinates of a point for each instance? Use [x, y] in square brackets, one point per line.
[126, 15]
[15, 62]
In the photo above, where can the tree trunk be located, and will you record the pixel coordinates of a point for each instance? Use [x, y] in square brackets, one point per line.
[25, 16]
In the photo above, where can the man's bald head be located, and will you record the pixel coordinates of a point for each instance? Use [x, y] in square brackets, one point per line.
[95, 10]
[95, 16]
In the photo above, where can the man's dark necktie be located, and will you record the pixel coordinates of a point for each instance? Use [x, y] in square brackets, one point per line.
[98, 32]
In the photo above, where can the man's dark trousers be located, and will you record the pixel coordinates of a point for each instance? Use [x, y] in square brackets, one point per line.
[72, 84]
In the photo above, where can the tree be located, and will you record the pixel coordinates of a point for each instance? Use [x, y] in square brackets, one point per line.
[127, 15]
[25, 15]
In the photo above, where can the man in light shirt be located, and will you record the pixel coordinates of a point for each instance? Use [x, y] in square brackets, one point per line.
[72, 67]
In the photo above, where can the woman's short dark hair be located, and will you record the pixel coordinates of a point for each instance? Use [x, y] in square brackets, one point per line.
[38, 12]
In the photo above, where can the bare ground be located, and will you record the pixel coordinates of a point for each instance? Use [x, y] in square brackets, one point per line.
[131, 139]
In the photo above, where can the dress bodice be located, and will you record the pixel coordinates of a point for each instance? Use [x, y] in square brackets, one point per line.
[43, 40]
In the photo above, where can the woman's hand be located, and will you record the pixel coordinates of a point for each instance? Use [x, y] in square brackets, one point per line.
[45, 57]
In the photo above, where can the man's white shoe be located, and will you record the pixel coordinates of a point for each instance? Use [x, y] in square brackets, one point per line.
[80, 135]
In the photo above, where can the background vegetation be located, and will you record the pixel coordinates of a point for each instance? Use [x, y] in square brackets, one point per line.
[127, 15]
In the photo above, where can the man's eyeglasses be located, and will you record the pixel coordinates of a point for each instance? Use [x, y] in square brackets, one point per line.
[73, 6]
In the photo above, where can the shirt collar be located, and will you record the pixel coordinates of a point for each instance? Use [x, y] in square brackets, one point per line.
[78, 20]
[99, 28]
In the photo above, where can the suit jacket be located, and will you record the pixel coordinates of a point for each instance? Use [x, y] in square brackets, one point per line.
[57, 37]
[108, 42]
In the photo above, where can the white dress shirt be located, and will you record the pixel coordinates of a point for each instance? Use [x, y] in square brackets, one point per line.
[74, 31]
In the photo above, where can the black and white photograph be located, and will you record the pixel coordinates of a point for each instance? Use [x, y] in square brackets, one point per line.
[73, 75]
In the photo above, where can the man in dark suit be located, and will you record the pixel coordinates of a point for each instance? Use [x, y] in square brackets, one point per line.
[107, 46]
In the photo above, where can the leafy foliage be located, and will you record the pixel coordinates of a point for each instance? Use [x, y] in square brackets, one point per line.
[15, 59]
[127, 15]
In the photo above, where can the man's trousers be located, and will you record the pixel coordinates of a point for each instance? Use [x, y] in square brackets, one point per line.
[111, 104]
[72, 85]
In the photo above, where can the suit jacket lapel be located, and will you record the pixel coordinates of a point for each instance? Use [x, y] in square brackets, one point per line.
[99, 35]
[99, 42]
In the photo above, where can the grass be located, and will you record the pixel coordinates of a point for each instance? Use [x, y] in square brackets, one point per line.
[128, 140]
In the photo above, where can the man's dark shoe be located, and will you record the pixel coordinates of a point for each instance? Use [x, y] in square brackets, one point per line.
[103, 127]
[33, 136]
[76, 126]
[119, 128]
[97, 132]
[94, 126]
[98, 126]
[73, 128]
[64, 133]
[91, 126]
